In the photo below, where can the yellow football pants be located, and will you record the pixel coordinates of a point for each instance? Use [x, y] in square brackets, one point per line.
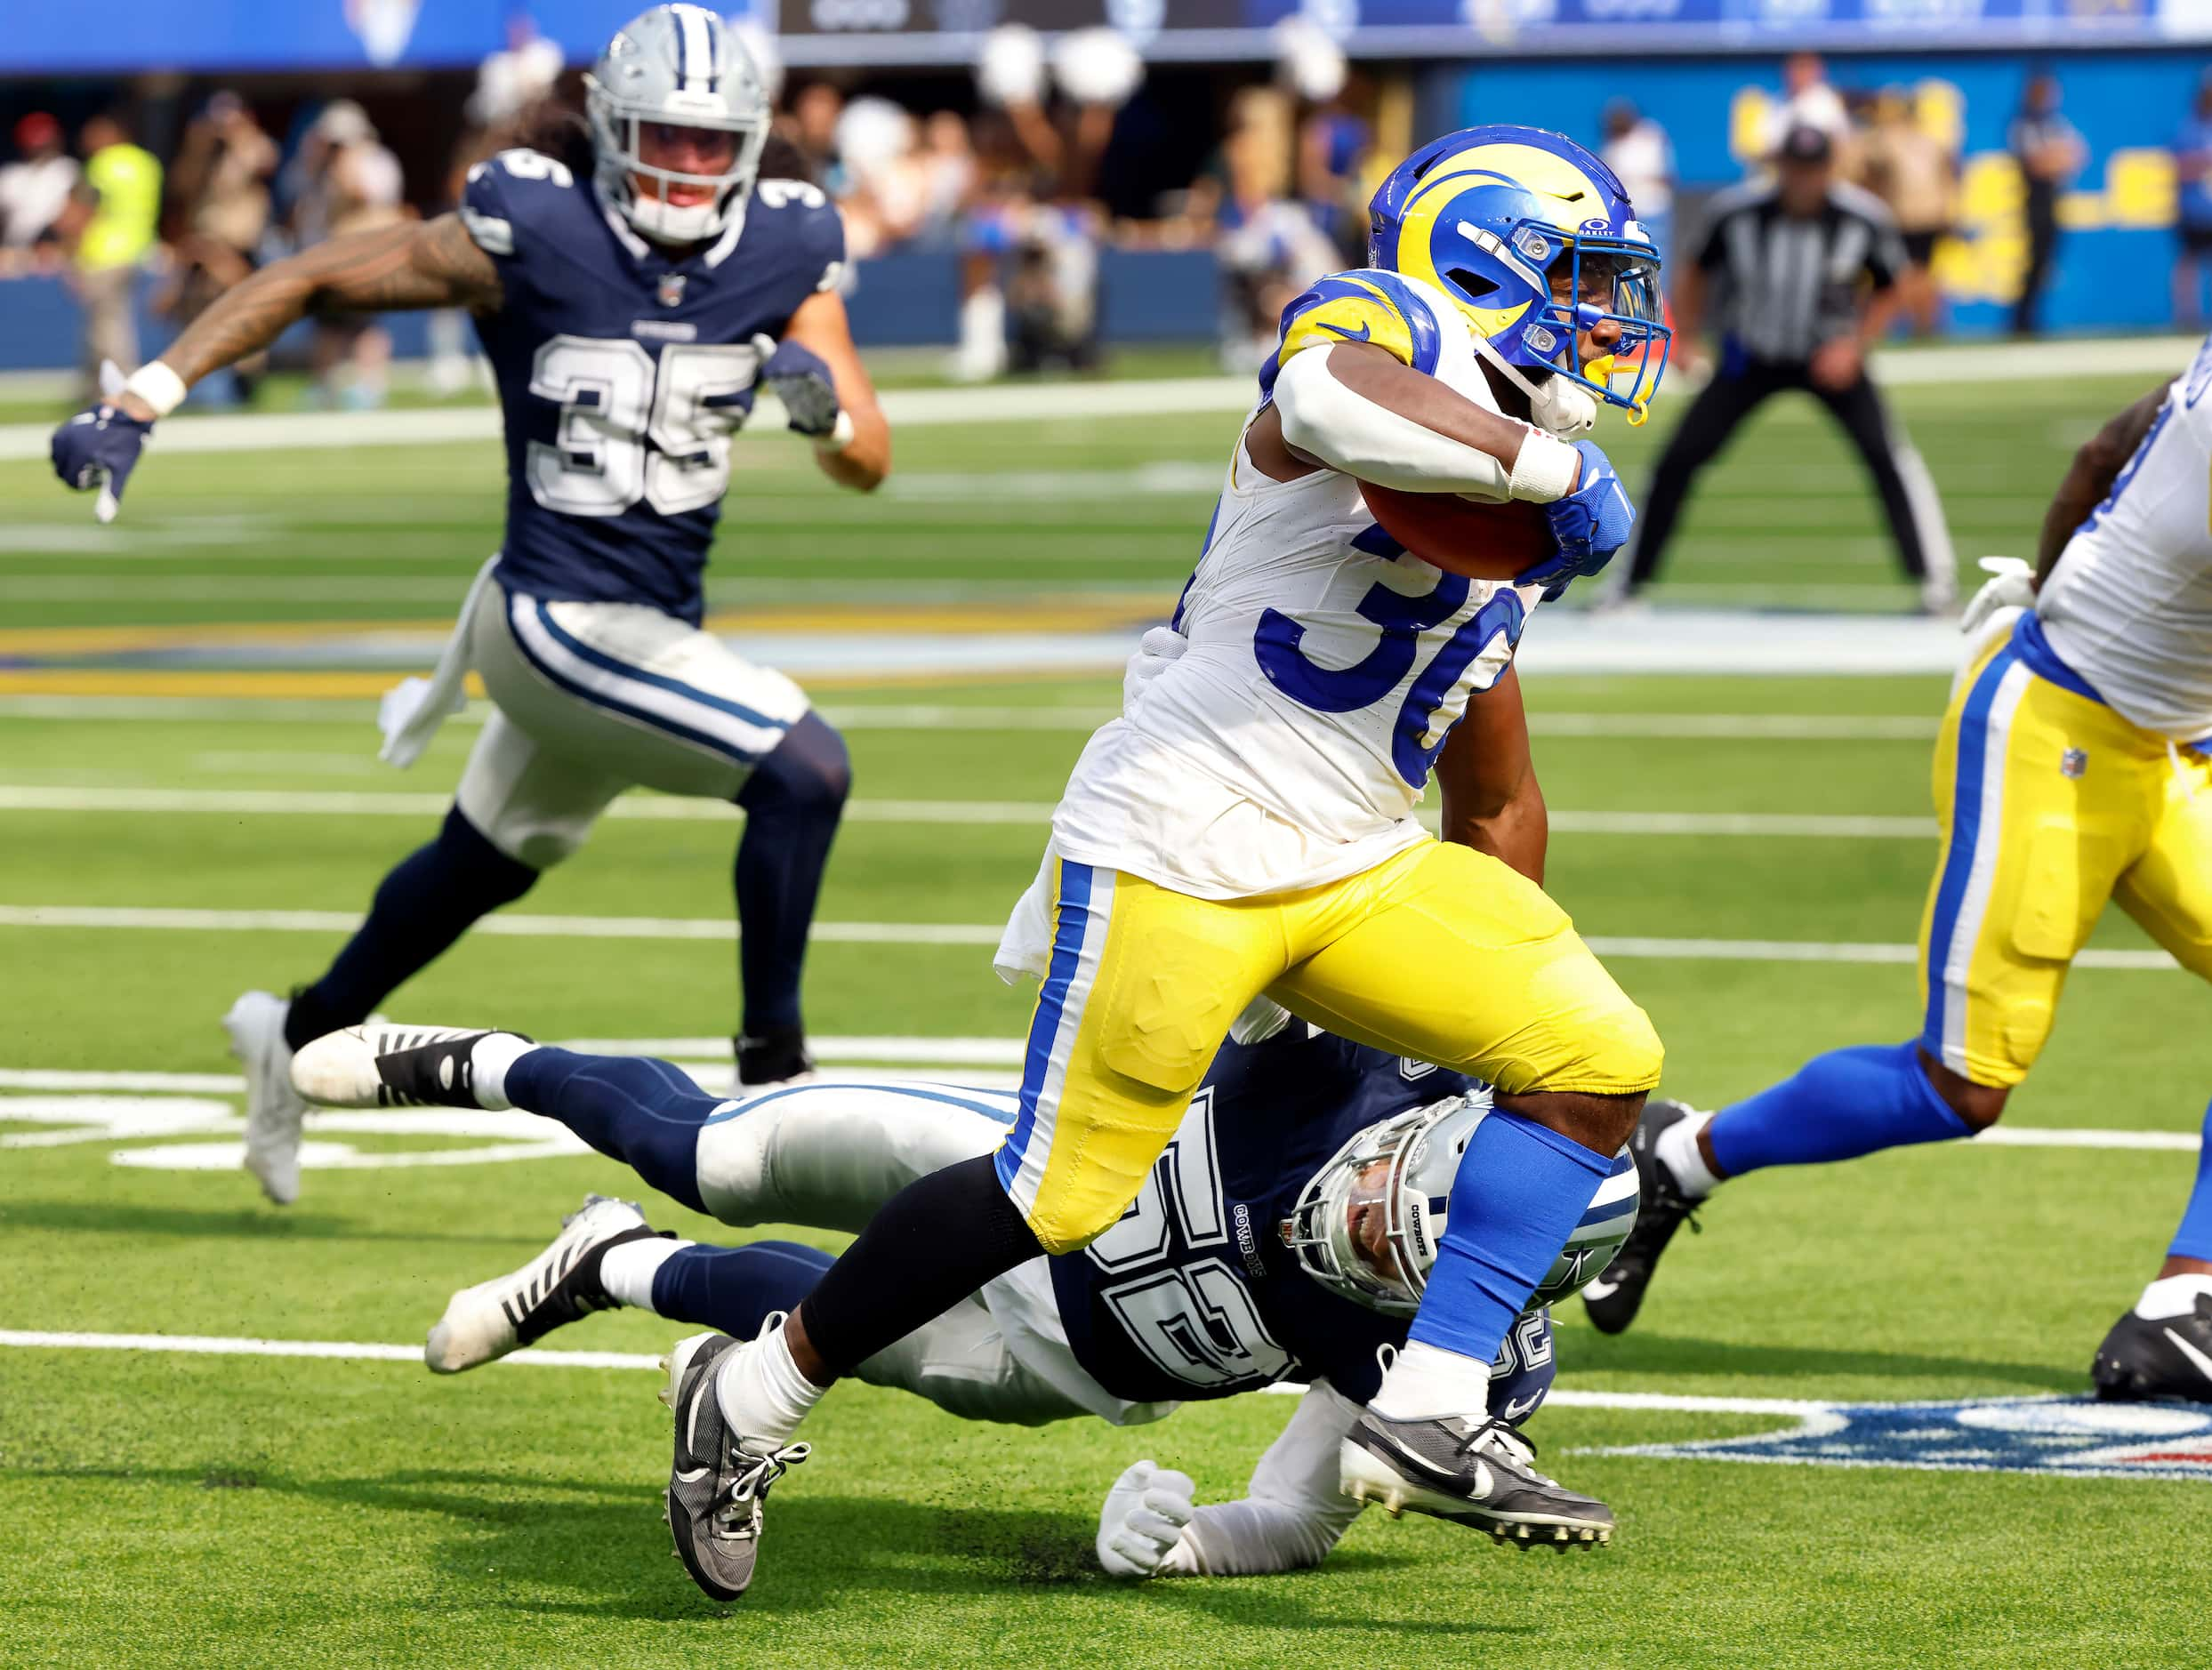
[1441, 953]
[2050, 804]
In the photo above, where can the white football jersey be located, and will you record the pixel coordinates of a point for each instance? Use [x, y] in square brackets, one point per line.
[2129, 604]
[1288, 743]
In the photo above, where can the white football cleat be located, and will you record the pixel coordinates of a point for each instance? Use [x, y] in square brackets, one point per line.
[381, 1066]
[273, 1108]
[562, 1283]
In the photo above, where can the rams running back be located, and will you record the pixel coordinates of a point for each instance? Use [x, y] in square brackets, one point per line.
[1245, 828]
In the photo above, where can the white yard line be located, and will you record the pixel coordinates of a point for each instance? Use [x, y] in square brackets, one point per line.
[832, 1048]
[363, 1351]
[975, 1061]
[1032, 814]
[1016, 402]
[1796, 727]
[678, 928]
[512, 927]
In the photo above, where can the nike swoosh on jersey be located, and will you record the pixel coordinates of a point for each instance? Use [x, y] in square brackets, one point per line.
[1360, 335]
[2203, 1363]
[1516, 1408]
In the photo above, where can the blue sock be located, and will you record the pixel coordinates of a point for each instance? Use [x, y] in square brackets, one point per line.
[1520, 1191]
[793, 802]
[2193, 1239]
[431, 898]
[1840, 1106]
[631, 1108]
[735, 1288]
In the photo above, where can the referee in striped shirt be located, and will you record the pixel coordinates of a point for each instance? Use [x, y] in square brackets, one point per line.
[1801, 271]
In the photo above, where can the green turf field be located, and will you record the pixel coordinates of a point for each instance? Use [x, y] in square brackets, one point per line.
[158, 1507]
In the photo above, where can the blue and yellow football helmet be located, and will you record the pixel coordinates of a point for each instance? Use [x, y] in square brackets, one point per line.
[1536, 241]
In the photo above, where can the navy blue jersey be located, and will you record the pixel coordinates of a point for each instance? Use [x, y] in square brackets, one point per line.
[1192, 1294]
[622, 373]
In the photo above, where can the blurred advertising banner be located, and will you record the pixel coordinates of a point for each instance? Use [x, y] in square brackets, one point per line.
[119, 36]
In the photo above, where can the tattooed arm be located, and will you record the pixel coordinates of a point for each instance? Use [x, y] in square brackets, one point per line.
[418, 264]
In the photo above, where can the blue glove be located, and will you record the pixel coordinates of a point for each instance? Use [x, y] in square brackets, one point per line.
[99, 446]
[802, 381]
[1588, 525]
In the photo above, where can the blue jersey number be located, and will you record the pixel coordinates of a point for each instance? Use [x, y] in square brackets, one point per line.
[1279, 646]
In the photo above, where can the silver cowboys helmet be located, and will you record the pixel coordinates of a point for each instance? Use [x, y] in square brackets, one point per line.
[680, 66]
[1367, 1224]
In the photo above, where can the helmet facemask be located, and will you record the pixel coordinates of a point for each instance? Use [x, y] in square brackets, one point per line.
[1362, 1226]
[1582, 280]
[622, 135]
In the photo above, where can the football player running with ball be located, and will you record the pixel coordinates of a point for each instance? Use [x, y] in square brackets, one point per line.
[2073, 767]
[1247, 827]
[1286, 1236]
[632, 299]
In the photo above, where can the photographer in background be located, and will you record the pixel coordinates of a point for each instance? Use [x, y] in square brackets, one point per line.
[219, 184]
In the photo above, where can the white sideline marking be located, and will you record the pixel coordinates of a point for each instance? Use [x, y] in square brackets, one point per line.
[1796, 727]
[348, 1350]
[1006, 402]
[74, 1096]
[526, 927]
[1036, 813]
[362, 1350]
[829, 1047]
[522, 926]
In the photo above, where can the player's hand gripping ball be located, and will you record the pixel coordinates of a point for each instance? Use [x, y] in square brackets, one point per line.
[1460, 535]
[1527, 543]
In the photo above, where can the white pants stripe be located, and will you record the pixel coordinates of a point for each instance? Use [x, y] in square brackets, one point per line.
[1083, 913]
[1965, 933]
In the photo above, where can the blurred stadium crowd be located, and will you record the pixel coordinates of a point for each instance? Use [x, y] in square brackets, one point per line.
[1025, 174]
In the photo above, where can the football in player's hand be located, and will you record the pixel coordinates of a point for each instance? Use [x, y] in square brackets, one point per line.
[1464, 536]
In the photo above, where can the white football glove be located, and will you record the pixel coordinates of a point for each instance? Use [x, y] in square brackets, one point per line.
[2011, 586]
[1143, 1519]
[1160, 649]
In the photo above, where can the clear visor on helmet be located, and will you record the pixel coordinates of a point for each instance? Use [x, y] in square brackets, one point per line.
[1605, 326]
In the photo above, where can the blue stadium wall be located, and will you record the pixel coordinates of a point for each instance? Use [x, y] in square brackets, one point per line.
[2113, 265]
[2116, 254]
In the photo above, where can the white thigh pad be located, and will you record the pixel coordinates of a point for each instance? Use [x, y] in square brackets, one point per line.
[828, 1156]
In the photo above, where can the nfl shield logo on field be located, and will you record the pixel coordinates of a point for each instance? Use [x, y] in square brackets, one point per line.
[671, 291]
[2068, 1437]
[2073, 762]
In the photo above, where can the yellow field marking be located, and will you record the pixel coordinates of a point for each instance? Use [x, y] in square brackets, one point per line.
[275, 684]
[1059, 613]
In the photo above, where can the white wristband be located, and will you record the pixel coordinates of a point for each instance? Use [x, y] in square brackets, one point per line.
[1544, 469]
[157, 386]
[840, 437]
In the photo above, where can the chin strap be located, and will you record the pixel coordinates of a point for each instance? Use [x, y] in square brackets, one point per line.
[1557, 403]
